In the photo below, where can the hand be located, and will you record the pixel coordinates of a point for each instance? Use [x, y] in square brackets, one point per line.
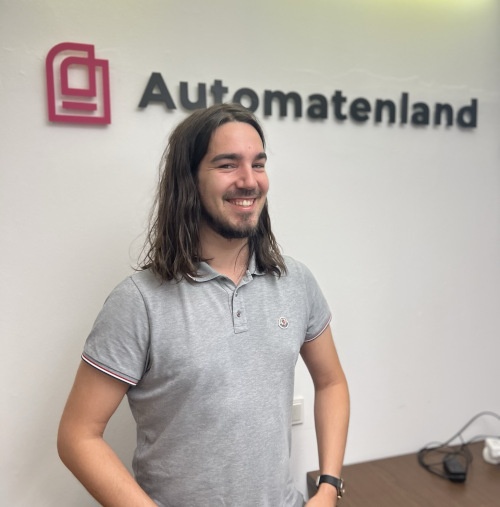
[325, 497]
[316, 501]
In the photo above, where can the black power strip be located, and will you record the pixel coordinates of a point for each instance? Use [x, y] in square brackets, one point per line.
[454, 468]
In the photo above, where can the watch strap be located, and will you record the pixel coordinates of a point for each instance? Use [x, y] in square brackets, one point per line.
[337, 483]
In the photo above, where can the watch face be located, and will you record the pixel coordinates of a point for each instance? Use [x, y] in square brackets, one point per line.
[341, 489]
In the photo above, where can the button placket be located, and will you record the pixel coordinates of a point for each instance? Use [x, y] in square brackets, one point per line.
[239, 318]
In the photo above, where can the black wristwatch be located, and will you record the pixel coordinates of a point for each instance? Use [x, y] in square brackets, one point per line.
[337, 483]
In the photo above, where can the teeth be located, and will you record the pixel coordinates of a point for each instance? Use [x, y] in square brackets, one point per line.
[243, 202]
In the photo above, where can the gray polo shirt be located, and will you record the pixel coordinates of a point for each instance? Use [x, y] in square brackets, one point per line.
[211, 369]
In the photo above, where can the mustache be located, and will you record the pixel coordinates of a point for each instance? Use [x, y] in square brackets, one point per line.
[242, 194]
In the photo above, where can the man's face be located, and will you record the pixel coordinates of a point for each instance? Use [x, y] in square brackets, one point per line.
[232, 180]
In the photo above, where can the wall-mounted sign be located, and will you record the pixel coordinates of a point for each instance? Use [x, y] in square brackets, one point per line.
[77, 85]
[78, 92]
[315, 106]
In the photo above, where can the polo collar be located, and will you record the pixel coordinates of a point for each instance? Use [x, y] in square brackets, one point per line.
[206, 272]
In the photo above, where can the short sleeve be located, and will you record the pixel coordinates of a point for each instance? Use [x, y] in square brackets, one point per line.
[320, 314]
[119, 341]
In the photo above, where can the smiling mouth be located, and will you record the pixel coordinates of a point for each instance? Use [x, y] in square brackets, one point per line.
[244, 203]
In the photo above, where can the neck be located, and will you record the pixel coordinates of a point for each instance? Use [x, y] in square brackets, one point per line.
[228, 257]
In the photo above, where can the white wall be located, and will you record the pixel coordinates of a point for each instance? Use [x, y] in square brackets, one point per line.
[401, 225]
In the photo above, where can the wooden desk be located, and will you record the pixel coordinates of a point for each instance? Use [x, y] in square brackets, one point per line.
[402, 482]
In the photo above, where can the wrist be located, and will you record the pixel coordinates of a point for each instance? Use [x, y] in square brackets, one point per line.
[327, 490]
[326, 495]
[330, 483]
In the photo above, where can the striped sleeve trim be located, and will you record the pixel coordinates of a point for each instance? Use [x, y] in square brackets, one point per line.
[108, 371]
[321, 332]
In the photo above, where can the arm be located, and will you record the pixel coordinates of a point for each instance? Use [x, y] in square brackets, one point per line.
[331, 411]
[93, 399]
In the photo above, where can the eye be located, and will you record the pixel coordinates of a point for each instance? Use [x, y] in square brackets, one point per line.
[260, 166]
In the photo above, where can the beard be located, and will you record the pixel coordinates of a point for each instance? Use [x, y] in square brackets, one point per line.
[227, 230]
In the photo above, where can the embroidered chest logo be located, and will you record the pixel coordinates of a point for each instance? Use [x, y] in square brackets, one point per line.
[283, 323]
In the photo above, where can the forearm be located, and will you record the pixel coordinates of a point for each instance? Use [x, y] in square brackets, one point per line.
[101, 472]
[331, 409]
[331, 412]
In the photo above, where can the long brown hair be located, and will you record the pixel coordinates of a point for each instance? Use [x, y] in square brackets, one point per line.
[172, 248]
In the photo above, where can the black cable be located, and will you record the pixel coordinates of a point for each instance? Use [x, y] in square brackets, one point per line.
[451, 462]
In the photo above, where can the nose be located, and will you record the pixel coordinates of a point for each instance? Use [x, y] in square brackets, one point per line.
[246, 177]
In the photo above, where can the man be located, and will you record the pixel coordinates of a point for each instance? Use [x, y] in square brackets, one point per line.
[204, 339]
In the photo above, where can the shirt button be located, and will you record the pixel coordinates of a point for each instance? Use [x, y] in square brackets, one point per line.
[238, 314]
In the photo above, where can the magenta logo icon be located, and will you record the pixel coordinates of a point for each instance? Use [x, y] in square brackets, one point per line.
[77, 85]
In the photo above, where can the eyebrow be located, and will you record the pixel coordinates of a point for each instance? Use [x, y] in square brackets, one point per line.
[235, 156]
